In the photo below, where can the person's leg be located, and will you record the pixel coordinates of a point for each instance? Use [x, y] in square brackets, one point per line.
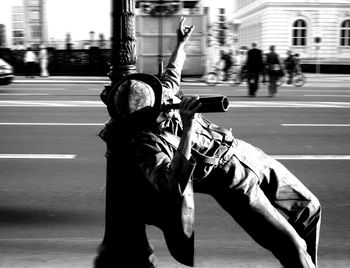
[236, 189]
[270, 86]
[251, 187]
[288, 194]
[256, 81]
[300, 206]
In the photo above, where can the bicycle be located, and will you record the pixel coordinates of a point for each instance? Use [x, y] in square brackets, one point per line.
[298, 79]
[218, 76]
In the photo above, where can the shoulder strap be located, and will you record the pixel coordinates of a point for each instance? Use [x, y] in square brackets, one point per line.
[174, 141]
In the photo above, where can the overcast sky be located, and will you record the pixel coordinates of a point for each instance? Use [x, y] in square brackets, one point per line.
[79, 17]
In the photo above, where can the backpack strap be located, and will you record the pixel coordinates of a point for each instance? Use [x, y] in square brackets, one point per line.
[174, 141]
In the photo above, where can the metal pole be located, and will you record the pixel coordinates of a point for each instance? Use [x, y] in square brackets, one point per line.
[125, 242]
[160, 40]
[123, 39]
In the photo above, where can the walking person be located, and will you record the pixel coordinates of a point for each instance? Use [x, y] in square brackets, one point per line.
[255, 67]
[274, 69]
[30, 60]
[290, 65]
[226, 58]
[176, 150]
[43, 58]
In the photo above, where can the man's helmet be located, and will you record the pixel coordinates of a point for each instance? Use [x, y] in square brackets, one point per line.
[136, 97]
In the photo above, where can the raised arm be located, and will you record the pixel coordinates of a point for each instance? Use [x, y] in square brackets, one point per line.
[172, 75]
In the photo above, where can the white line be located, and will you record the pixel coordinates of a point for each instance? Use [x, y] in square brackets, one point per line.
[53, 239]
[33, 103]
[37, 156]
[50, 124]
[315, 125]
[315, 95]
[311, 157]
[289, 104]
[25, 94]
[30, 89]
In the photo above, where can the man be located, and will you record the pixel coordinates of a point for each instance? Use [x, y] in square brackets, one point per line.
[274, 69]
[175, 148]
[30, 60]
[290, 65]
[254, 66]
[228, 62]
[131, 200]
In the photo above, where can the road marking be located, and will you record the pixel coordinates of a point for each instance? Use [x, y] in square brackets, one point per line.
[50, 124]
[72, 156]
[34, 89]
[288, 104]
[25, 94]
[54, 239]
[315, 125]
[311, 157]
[311, 95]
[37, 156]
[242, 104]
[18, 103]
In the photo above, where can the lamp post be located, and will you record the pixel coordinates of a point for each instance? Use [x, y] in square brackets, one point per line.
[125, 242]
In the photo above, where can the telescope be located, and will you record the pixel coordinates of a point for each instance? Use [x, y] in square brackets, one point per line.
[209, 105]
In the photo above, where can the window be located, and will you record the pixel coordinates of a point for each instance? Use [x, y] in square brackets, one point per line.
[36, 32]
[16, 9]
[16, 17]
[34, 15]
[345, 34]
[299, 33]
[18, 34]
[34, 2]
[17, 25]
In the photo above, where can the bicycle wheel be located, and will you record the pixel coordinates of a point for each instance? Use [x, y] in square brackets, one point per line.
[211, 79]
[299, 80]
[233, 79]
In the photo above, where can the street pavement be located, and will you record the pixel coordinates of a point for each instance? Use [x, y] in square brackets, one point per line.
[52, 169]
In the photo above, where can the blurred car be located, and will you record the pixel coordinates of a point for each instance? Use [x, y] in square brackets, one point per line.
[6, 73]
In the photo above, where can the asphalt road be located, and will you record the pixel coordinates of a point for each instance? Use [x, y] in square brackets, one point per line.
[52, 172]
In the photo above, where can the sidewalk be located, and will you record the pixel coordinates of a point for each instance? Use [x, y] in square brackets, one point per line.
[311, 77]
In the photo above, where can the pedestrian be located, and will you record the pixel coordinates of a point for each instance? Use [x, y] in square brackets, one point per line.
[297, 61]
[178, 148]
[290, 65]
[132, 201]
[274, 69]
[226, 58]
[30, 60]
[255, 67]
[43, 58]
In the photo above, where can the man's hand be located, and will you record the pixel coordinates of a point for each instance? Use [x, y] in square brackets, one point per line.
[184, 32]
[188, 108]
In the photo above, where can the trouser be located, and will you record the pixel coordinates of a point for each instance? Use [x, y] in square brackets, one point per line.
[290, 76]
[30, 66]
[253, 83]
[272, 84]
[270, 204]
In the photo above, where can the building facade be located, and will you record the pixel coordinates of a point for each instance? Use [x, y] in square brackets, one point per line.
[29, 24]
[319, 30]
[156, 25]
